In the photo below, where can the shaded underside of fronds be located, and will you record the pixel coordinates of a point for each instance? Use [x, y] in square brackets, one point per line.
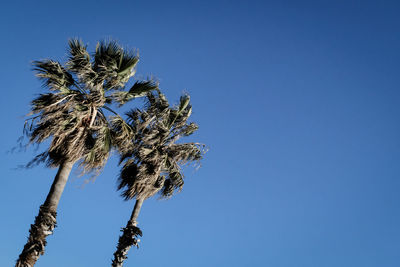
[141, 181]
[75, 130]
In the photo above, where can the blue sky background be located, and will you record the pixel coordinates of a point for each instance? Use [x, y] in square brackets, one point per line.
[298, 102]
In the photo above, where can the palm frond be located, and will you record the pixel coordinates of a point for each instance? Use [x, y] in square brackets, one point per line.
[175, 178]
[79, 62]
[139, 89]
[142, 87]
[55, 77]
[187, 152]
[113, 64]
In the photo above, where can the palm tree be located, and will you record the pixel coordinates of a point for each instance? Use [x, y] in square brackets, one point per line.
[152, 160]
[72, 116]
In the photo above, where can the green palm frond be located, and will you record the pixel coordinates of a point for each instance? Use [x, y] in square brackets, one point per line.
[143, 87]
[127, 62]
[139, 89]
[184, 102]
[114, 65]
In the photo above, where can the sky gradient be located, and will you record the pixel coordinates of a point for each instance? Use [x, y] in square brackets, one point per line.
[298, 102]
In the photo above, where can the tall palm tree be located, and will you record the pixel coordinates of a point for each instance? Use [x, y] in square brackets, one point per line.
[72, 116]
[152, 160]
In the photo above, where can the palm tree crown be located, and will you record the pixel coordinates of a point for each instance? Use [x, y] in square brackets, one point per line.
[152, 161]
[73, 112]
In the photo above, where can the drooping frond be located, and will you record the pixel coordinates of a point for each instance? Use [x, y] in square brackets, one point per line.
[141, 181]
[98, 148]
[55, 77]
[174, 180]
[122, 134]
[187, 152]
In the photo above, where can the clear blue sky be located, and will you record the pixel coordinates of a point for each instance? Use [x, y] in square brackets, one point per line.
[298, 102]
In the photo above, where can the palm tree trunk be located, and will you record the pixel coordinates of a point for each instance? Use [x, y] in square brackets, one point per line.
[129, 236]
[45, 222]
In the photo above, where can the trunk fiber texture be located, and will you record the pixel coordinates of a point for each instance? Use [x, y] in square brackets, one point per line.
[44, 225]
[45, 221]
[129, 237]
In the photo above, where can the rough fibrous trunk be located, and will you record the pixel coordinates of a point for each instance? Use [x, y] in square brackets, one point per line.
[129, 237]
[44, 225]
[45, 222]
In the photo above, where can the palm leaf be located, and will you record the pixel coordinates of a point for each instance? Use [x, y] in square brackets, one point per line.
[139, 89]
[79, 62]
[55, 77]
[114, 65]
